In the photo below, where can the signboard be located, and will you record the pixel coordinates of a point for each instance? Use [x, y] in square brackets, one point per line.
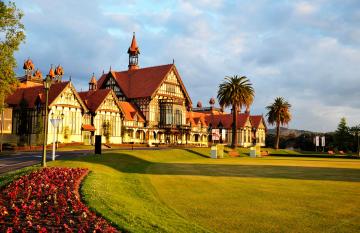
[215, 134]
[317, 140]
[323, 141]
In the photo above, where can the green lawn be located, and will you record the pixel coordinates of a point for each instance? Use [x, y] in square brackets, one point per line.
[185, 191]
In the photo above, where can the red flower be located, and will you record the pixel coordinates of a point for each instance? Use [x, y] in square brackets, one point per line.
[48, 199]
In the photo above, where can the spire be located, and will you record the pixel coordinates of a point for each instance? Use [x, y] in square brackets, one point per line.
[51, 72]
[28, 67]
[133, 52]
[93, 83]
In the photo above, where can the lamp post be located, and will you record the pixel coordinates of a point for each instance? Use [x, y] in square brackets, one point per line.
[55, 122]
[47, 84]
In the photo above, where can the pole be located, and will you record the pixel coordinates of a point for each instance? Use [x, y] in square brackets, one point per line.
[358, 149]
[43, 163]
[53, 150]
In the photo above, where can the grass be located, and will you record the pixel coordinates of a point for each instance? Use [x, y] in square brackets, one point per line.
[10, 176]
[182, 190]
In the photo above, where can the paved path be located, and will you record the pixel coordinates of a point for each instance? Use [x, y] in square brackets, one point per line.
[17, 160]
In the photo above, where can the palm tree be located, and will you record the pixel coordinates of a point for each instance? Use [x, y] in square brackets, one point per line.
[279, 114]
[236, 92]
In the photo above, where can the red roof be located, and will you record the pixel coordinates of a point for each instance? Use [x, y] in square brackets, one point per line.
[256, 121]
[130, 111]
[94, 98]
[142, 82]
[88, 127]
[133, 49]
[226, 120]
[34, 93]
[195, 118]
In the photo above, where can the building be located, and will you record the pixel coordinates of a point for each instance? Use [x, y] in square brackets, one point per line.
[138, 105]
[157, 92]
[104, 116]
[251, 129]
[28, 106]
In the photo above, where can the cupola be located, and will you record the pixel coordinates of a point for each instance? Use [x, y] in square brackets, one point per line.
[133, 52]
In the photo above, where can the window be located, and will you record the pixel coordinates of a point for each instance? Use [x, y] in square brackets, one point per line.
[170, 88]
[166, 114]
[178, 117]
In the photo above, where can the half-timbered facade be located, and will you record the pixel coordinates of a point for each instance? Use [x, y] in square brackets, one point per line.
[158, 93]
[28, 104]
[104, 116]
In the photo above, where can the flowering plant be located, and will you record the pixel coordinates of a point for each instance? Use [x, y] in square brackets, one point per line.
[47, 200]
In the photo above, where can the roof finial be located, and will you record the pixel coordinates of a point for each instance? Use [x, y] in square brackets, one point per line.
[70, 78]
[110, 69]
[103, 72]
[173, 61]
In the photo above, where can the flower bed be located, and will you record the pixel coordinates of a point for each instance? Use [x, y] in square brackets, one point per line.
[47, 200]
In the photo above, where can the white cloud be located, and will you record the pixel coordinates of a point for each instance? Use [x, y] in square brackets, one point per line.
[305, 8]
[305, 51]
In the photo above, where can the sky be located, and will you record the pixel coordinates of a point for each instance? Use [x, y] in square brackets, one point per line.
[305, 51]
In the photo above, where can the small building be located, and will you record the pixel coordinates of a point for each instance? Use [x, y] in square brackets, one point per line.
[134, 130]
[199, 129]
[27, 104]
[104, 116]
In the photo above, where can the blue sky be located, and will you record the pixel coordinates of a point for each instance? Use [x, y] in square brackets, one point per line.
[306, 51]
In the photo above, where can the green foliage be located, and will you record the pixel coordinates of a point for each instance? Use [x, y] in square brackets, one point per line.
[279, 114]
[66, 132]
[12, 34]
[39, 130]
[106, 130]
[343, 138]
[236, 92]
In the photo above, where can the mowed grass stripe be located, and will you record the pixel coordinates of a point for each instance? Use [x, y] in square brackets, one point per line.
[182, 191]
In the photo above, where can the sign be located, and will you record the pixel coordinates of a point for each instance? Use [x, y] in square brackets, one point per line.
[317, 140]
[323, 141]
[215, 134]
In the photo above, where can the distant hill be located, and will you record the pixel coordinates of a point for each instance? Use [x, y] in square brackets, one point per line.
[286, 131]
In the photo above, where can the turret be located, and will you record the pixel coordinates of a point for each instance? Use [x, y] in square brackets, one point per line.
[133, 52]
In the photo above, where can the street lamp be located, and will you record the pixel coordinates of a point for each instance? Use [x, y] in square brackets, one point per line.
[47, 84]
[55, 121]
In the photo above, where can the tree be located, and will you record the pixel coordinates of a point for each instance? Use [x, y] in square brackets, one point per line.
[355, 130]
[11, 36]
[279, 114]
[342, 135]
[236, 92]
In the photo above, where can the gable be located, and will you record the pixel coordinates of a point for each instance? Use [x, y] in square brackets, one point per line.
[171, 86]
[111, 83]
[68, 97]
[109, 104]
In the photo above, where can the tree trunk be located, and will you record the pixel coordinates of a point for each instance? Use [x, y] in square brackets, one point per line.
[277, 135]
[234, 127]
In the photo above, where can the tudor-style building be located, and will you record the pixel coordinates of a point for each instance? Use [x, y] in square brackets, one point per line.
[158, 92]
[104, 116]
[28, 104]
[251, 129]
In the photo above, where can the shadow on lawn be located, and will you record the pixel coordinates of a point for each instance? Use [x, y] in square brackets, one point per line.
[128, 163]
